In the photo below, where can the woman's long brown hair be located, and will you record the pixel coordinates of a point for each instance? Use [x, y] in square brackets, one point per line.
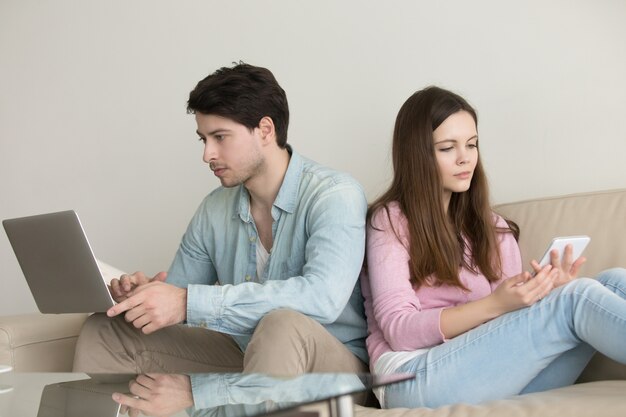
[438, 240]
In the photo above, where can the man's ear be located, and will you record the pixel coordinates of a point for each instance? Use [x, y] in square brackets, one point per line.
[267, 129]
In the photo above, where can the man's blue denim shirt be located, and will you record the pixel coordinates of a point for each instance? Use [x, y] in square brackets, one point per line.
[314, 263]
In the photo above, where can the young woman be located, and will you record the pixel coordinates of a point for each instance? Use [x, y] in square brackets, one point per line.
[445, 295]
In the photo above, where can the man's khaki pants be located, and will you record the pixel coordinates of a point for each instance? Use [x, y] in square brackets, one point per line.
[284, 343]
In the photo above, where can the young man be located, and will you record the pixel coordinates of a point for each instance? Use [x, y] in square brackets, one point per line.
[265, 279]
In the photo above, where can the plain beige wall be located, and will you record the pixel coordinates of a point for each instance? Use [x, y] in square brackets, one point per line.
[92, 101]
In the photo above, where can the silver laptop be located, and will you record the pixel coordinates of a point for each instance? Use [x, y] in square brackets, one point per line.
[58, 263]
[80, 399]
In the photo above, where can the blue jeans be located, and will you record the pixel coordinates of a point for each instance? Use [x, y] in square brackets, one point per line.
[544, 346]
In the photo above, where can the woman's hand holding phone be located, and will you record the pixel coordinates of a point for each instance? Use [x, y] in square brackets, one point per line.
[566, 265]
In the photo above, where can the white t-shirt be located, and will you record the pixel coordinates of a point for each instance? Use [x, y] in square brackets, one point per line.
[262, 256]
[389, 363]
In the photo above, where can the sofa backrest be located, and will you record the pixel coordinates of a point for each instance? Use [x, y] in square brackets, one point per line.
[601, 215]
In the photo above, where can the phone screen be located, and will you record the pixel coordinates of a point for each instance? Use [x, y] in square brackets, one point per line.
[579, 243]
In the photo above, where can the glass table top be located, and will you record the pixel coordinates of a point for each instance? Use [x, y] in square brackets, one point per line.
[214, 394]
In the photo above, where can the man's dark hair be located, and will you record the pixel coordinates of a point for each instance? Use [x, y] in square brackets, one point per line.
[244, 94]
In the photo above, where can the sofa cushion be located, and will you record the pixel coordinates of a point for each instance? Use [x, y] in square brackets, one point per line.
[606, 399]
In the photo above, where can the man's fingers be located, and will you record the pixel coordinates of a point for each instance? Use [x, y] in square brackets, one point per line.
[140, 322]
[147, 380]
[134, 412]
[126, 282]
[129, 282]
[150, 328]
[139, 390]
[161, 276]
[115, 287]
[128, 401]
[127, 304]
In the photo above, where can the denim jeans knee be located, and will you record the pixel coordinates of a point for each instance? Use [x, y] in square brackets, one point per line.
[612, 275]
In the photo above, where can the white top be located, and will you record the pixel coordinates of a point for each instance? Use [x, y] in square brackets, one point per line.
[389, 363]
[262, 255]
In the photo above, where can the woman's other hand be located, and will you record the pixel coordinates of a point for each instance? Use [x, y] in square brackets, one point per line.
[566, 266]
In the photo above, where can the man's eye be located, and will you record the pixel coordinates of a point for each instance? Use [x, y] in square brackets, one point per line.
[219, 138]
[203, 140]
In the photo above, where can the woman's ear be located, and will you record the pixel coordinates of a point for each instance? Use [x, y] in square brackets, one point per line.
[267, 129]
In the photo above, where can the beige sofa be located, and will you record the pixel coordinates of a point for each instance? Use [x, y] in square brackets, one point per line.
[38, 342]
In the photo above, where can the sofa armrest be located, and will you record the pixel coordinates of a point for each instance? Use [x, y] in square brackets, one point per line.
[39, 342]
[598, 214]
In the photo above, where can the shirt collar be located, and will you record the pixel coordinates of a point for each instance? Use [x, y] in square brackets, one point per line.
[287, 194]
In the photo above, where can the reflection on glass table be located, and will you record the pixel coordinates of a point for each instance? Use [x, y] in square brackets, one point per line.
[5, 388]
[196, 395]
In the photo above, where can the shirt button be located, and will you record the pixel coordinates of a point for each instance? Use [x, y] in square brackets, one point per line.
[252, 239]
[248, 277]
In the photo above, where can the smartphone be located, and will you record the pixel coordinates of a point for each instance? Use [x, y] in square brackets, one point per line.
[579, 243]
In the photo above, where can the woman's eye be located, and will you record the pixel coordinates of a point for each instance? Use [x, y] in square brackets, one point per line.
[473, 145]
[446, 149]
